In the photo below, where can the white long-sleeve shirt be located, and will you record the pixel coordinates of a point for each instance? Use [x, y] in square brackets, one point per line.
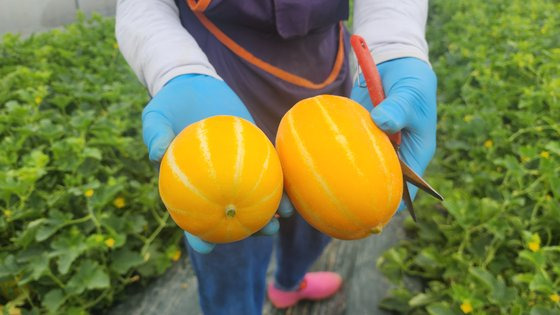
[159, 48]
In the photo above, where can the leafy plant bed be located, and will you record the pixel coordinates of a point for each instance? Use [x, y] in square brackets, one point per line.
[493, 247]
[80, 218]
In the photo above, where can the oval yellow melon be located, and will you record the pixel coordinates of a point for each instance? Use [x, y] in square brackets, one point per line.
[340, 170]
[221, 179]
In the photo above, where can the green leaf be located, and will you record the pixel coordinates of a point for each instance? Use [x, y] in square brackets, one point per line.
[27, 236]
[536, 258]
[8, 266]
[523, 278]
[553, 146]
[441, 309]
[53, 300]
[124, 259]
[76, 310]
[391, 264]
[46, 231]
[67, 248]
[542, 283]
[429, 258]
[55, 221]
[93, 153]
[397, 301]
[90, 276]
[421, 299]
[36, 262]
[542, 310]
[500, 294]
[484, 276]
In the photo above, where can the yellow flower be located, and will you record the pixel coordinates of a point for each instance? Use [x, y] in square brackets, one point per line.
[110, 242]
[554, 297]
[115, 45]
[468, 118]
[38, 100]
[88, 193]
[488, 144]
[176, 255]
[534, 246]
[8, 213]
[119, 202]
[466, 307]
[545, 154]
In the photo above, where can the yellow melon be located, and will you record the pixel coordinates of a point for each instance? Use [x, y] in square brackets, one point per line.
[340, 170]
[221, 179]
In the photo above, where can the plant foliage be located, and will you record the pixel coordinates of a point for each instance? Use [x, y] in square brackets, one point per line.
[79, 216]
[494, 245]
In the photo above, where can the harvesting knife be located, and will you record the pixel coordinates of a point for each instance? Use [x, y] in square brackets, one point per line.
[376, 94]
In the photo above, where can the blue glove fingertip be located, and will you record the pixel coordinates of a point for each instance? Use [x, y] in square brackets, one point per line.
[286, 208]
[271, 228]
[159, 145]
[157, 133]
[199, 245]
[390, 116]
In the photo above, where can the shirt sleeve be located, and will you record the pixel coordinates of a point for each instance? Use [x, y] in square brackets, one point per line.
[155, 44]
[393, 28]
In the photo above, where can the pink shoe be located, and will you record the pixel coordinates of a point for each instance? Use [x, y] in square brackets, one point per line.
[315, 286]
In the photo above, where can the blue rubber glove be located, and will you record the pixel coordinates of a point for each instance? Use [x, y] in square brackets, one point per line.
[410, 107]
[182, 101]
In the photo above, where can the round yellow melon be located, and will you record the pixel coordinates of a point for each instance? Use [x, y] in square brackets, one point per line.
[341, 171]
[221, 179]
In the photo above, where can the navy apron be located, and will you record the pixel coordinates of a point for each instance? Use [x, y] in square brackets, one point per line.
[273, 53]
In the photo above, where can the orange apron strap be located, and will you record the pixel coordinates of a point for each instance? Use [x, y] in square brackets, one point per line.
[198, 5]
[275, 71]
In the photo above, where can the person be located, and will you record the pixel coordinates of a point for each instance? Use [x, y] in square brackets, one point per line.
[255, 59]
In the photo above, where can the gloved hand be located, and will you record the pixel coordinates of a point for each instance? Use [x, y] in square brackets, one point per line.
[182, 101]
[410, 106]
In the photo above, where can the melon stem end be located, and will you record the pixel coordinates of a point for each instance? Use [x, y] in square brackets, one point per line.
[230, 211]
[377, 229]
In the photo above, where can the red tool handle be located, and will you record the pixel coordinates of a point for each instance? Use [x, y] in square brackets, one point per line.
[371, 75]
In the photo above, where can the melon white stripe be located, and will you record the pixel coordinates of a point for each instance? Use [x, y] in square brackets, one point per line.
[176, 171]
[381, 158]
[202, 135]
[297, 199]
[308, 160]
[248, 230]
[340, 138]
[238, 129]
[213, 228]
[261, 201]
[266, 198]
[263, 171]
[254, 205]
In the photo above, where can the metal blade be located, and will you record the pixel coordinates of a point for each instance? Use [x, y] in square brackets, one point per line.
[408, 201]
[410, 176]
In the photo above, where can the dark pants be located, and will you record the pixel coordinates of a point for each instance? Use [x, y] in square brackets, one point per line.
[232, 278]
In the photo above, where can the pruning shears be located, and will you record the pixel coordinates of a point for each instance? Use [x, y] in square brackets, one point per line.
[376, 94]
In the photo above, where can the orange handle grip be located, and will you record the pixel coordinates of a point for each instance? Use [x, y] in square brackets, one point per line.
[371, 75]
